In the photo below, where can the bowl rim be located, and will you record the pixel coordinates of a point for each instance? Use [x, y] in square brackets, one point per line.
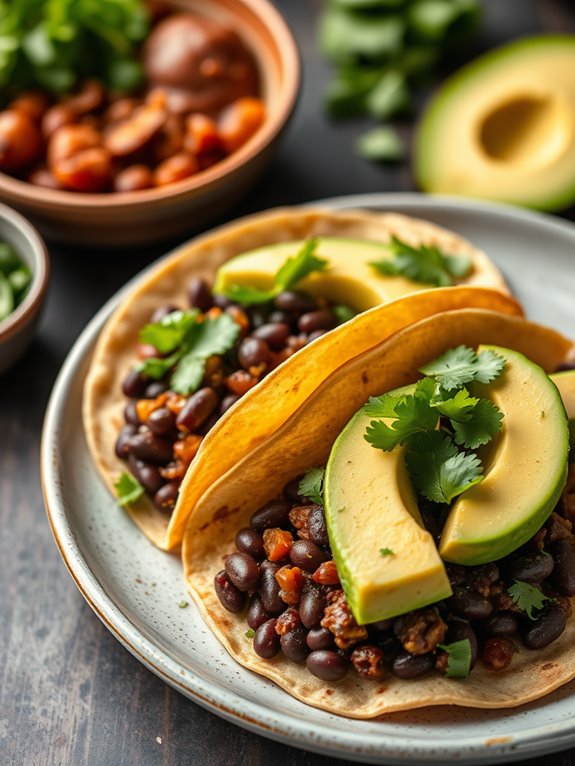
[41, 197]
[40, 274]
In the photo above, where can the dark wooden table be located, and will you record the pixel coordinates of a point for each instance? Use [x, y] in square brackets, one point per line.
[70, 694]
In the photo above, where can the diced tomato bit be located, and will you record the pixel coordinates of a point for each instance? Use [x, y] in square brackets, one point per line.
[240, 317]
[174, 470]
[240, 381]
[145, 407]
[175, 403]
[291, 581]
[277, 543]
[326, 574]
[186, 449]
[214, 374]
[213, 313]
[202, 134]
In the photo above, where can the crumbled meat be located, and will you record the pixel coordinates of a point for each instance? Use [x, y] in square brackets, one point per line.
[558, 528]
[339, 620]
[537, 542]
[288, 621]
[567, 502]
[483, 578]
[369, 662]
[309, 520]
[420, 631]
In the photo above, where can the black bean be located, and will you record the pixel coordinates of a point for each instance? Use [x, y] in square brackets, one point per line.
[230, 597]
[312, 606]
[131, 413]
[546, 628]
[266, 640]
[121, 447]
[155, 389]
[161, 312]
[221, 301]
[147, 446]
[252, 352]
[148, 475]
[209, 424]
[275, 334]
[323, 319]
[381, 626]
[280, 317]
[532, 567]
[292, 300]
[258, 316]
[294, 645]
[501, 624]
[270, 566]
[197, 409]
[251, 542]
[165, 498]
[270, 590]
[307, 555]
[315, 334]
[271, 515]
[320, 638]
[469, 604]
[257, 615]
[564, 574]
[406, 665]
[227, 402]
[489, 572]
[291, 491]
[134, 384]
[459, 630]
[317, 527]
[243, 571]
[327, 665]
[161, 421]
[199, 294]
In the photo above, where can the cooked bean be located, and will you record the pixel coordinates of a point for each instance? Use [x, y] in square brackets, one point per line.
[406, 665]
[169, 141]
[253, 352]
[120, 110]
[131, 413]
[258, 316]
[272, 514]
[88, 98]
[132, 134]
[312, 606]
[33, 103]
[315, 334]
[469, 604]
[280, 317]
[381, 626]
[227, 402]
[546, 628]
[240, 382]
[497, 653]
[202, 135]
[275, 334]
[230, 597]
[327, 665]
[134, 384]
[294, 645]
[126, 432]
[564, 574]
[459, 630]
[323, 319]
[256, 615]
[175, 168]
[56, 117]
[320, 638]
[243, 571]
[165, 498]
[291, 491]
[532, 567]
[501, 624]
[270, 590]
[239, 121]
[133, 178]
[148, 475]
[209, 424]
[88, 171]
[316, 526]
[150, 448]
[199, 294]
[155, 389]
[293, 301]
[20, 140]
[161, 421]
[266, 640]
[251, 542]
[198, 409]
[307, 555]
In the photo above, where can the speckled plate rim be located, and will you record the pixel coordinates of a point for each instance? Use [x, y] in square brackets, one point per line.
[276, 725]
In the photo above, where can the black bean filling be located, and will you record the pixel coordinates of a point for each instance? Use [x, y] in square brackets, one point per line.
[283, 572]
[161, 435]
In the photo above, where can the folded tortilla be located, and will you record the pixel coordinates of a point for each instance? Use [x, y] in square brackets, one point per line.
[305, 440]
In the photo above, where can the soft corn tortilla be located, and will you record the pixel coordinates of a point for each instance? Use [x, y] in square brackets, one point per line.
[305, 440]
[243, 427]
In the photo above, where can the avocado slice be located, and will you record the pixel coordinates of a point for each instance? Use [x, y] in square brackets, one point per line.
[387, 562]
[502, 127]
[525, 467]
[349, 280]
[565, 382]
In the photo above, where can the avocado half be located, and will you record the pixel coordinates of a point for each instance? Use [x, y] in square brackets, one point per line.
[503, 127]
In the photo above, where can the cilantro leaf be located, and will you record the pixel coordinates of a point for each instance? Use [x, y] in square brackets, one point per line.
[458, 658]
[425, 263]
[386, 552]
[438, 470]
[485, 421]
[188, 374]
[343, 313]
[311, 485]
[156, 367]
[250, 633]
[458, 408]
[382, 406]
[169, 333]
[128, 489]
[527, 597]
[413, 415]
[462, 365]
[247, 295]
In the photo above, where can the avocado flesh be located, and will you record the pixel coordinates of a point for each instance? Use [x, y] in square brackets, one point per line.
[565, 382]
[370, 505]
[348, 280]
[525, 467]
[501, 128]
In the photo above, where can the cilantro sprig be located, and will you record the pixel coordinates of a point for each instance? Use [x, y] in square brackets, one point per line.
[426, 264]
[188, 339]
[527, 597]
[128, 489]
[458, 658]
[311, 485]
[288, 275]
[463, 365]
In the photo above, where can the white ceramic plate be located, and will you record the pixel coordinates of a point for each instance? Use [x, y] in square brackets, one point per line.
[135, 589]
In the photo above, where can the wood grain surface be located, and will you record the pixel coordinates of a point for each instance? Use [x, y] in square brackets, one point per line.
[70, 695]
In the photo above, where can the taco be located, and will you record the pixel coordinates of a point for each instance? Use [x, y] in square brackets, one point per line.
[175, 357]
[433, 563]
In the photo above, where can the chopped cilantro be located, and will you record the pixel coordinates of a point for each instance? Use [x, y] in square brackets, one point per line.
[288, 275]
[413, 415]
[128, 489]
[182, 604]
[458, 408]
[425, 263]
[527, 597]
[458, 658]
[343, 313]
[486, 420]
[386, 552]
[250, 633]
[462, 365]
[311, 485]
[170, 332]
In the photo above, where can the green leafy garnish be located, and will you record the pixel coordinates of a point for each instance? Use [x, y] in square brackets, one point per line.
[288, 275]
[527, 597]
[169, 333]
[250, 633]
[343, 313]
[426, 264]
[182, 604]
[128, 489]
[462, 365]
[311, 485]
[385, 552]
[486, 419]
[458, 658]
[381, 144]
[413, 415]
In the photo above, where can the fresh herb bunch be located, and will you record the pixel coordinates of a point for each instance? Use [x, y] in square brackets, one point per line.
[52, 44]
[382, 49]
[426, 263]
[440, 423]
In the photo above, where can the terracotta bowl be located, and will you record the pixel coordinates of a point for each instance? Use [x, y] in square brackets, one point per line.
[17, 330]
[153, 214]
